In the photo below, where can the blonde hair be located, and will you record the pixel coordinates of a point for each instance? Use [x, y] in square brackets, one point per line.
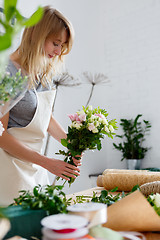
[31, 53]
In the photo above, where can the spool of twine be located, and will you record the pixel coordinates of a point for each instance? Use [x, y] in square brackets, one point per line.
[151, 187]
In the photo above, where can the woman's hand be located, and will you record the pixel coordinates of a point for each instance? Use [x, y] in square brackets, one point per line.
[76, 161]
[61, 168]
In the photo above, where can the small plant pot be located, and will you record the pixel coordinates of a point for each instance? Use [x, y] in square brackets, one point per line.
[133, 164]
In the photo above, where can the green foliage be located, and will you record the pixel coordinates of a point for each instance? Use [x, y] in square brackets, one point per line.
[11, 12]
[133, 138]
[49, 198]
[10, 86]
[105, 197]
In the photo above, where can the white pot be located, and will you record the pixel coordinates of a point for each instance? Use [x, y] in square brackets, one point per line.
[133, 164]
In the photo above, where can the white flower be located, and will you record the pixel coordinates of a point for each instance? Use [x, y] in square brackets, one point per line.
[76, 125]
[95, 130]
[1, 128]
[111, 129]
[104, 121]
[82, 115]
[106, 129]
[90, 107]
[91, 126]
[156, 198]
[92, 118]
[96, 123]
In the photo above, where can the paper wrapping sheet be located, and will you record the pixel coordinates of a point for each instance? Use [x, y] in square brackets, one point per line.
[125, 180]
[132, 213]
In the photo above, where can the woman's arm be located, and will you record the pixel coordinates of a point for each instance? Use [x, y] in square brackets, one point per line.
[57, 132]
[15, 148]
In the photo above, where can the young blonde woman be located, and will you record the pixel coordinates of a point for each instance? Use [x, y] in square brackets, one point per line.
[40, 54]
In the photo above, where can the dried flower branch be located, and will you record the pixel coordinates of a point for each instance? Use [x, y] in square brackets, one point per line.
[95, 79]
[65, 80]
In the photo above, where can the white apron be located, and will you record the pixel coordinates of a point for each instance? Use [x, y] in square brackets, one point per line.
[16, 175]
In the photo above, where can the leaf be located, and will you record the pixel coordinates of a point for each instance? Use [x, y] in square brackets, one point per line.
[136, 187]
[104, 193]
[64, 142]
[35, 191]
[136, 119]
[9, 8]
[5, 41]
[114, 189]
[35, 18]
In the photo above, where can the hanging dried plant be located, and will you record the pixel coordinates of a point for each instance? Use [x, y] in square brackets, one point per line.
[95, 79]
[65, 80]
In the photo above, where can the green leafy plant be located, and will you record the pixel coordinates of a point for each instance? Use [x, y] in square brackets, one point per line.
[49, 198]
[11, 12]
[134, 132]
[11, 21]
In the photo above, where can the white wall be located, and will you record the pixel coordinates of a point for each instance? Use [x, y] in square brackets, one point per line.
[121, 39]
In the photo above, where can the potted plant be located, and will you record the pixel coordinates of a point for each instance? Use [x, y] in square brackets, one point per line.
[134, 132]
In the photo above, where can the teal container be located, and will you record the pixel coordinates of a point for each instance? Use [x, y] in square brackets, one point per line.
[24, 222]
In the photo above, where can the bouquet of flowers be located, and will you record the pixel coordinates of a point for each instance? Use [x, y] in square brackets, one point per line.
[88, 128]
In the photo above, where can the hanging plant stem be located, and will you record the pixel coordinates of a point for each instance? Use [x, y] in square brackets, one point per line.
[91, 93]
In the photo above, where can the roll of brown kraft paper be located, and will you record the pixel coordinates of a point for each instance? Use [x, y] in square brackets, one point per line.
[99, 181]
[100, 177]
[122, 170]
[126, 180]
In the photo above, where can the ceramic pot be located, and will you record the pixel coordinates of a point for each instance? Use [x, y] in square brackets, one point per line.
[133, 164]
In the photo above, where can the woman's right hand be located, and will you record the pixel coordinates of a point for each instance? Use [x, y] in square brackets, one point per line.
[61, 168]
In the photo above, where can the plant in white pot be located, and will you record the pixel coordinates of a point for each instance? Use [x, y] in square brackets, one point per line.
[133, 137]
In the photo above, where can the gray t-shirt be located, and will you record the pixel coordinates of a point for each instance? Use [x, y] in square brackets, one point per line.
[23, 112]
